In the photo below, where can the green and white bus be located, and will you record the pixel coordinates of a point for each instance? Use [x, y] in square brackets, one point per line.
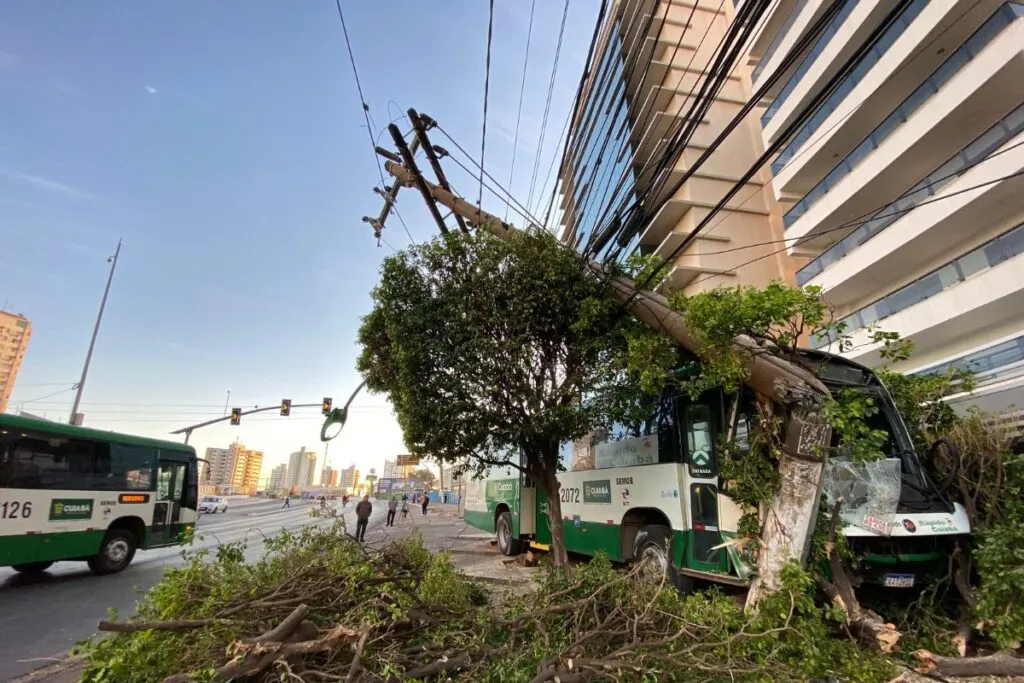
[70, 493]
[653, 491]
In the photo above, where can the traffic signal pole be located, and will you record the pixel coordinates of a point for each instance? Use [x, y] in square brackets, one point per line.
[187, 431]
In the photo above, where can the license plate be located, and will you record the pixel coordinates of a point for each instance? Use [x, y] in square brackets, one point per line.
[898, 581]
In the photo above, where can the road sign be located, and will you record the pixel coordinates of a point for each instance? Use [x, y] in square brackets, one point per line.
[406, 461]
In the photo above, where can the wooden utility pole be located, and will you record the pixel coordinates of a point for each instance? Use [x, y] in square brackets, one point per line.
[792, 515]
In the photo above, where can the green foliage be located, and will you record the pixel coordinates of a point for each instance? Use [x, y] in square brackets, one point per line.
[1000, 559]
[498, 348]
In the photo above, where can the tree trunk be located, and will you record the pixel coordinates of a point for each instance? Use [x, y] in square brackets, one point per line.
[789, 524]
[547, 480]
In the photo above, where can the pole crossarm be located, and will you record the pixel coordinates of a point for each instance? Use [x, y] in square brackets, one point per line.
[191, 428]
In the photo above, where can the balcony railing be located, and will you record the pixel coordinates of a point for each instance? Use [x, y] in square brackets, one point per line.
[849, 83]
[959, 164]
[805, 64]
[779, 36]
[988, 32]
[990, 255]
[987, 360]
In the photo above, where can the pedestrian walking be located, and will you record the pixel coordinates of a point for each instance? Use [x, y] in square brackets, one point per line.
[287, 502]
[426, 502]
[364, 509]
[392, 507]
[405, 507]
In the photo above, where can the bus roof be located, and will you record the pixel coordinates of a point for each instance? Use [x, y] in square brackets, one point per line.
[73, 432]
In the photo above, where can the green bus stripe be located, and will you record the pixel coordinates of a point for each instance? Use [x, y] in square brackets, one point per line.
[66, 545]
[481, 519]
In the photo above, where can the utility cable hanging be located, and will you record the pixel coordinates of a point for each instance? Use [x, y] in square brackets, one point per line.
[519, 110]
[359, 88]
[574, 111]
[547, 105]
[487, 88]
[790, 130]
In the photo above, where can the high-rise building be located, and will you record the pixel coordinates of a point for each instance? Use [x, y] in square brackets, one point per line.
[220, 467]
[278, 479]
[624, 186]
[349, 479]
[301, 468]
[389, 469]
[15, 331]
[247, 466]
[329, 477]
[904, 189]
[235, 469]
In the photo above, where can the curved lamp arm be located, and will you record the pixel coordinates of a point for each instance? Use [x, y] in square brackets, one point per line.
[339, 416]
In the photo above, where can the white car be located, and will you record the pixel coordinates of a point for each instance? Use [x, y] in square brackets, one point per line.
[212, 504]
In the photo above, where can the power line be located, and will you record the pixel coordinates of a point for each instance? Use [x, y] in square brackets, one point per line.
[43, 398]
[798, 121]
[359, 87]
[547, 104]
[874, 215]
[847, 226]
[487, 90]
[519, 111]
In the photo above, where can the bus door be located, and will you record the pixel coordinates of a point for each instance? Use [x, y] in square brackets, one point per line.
[699, 421]
[527, 506]
[172, 493]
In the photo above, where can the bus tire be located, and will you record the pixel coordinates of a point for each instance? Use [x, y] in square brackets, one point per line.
[115, 554]
[654, 544]
[32, 567]
[507, 543]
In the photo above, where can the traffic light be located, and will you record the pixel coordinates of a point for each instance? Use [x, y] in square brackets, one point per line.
[286, 407]
[326, 407]
[236, 416]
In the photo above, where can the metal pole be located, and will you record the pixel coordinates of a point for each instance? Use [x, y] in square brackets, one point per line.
[227, 401]
[95, 332]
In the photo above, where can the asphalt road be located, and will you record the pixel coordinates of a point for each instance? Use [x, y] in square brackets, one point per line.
[43, 617]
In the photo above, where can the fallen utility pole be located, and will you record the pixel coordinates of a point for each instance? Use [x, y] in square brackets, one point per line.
[792, 514]
[389, 194]
[420, 124]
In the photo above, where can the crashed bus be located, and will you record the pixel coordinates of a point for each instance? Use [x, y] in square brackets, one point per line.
[654, 492]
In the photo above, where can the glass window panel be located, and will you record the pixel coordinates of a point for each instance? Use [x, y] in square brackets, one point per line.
[973, 263]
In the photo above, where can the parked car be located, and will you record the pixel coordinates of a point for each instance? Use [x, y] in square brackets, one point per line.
[212, 504]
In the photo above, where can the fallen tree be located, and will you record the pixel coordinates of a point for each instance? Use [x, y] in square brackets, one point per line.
[322, 607]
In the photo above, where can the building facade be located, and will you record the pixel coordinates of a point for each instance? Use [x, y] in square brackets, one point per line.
[233, 470]
[350, 479]
[278, 481]
[622, 189]
[389, 469]
[329, 477]
[301, 468]
[902, 191]
[15, 332]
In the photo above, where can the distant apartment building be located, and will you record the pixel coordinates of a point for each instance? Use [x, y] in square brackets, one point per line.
[900, 191]
[235, 469]
[622, 191]
[301, 468]
[218, 468]
[278, 479]
[350, 479]
[329, 477]
[15, 332]
[389, 470]
[247, 466]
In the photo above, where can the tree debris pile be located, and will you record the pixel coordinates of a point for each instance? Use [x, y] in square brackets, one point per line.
[321, 607]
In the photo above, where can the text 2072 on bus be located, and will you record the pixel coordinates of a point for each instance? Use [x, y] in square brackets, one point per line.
[653, 491]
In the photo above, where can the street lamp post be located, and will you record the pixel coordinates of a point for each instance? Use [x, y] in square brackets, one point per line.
[112, 260]
[338, 416]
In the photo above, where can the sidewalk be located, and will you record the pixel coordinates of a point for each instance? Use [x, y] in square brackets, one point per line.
[442, 528]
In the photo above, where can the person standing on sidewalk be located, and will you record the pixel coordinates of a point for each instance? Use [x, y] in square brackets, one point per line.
[426, 502]
[364, 509]
[392, 507]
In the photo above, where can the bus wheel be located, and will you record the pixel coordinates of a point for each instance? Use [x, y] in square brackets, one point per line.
[116, 554]
[32, 567]
[651, 548]
[507, 543]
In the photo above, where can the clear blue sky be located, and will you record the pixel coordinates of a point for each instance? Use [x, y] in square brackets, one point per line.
[225, 142]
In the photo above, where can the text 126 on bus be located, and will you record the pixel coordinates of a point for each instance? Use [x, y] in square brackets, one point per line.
[70, 493]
